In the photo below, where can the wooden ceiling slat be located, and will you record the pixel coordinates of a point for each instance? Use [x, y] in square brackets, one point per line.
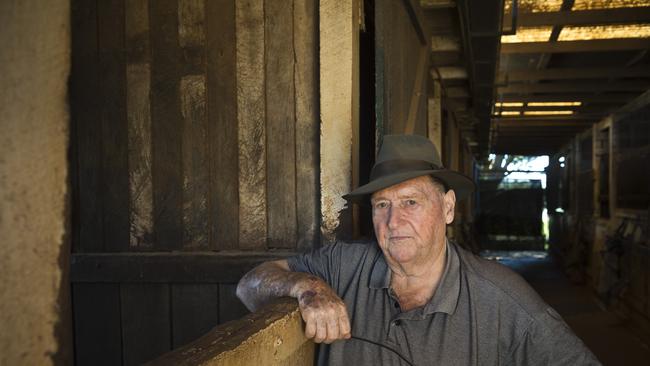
[574, 87]
[573, 73]
[595, 45]
[570, 97]
[582, 17]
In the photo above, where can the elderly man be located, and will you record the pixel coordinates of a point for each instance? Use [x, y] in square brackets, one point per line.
[414, 297]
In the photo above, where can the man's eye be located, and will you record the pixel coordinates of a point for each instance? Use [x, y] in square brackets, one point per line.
[410, 202]
[381, 205]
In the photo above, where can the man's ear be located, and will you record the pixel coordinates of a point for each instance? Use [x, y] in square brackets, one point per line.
[449, 201]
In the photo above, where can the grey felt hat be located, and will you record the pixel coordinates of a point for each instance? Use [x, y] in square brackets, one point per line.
[403, 157]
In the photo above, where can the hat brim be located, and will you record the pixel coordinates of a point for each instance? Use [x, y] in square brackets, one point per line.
[462, 185]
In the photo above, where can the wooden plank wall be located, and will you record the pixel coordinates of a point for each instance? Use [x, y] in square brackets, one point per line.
[398, 54]
[195, 130]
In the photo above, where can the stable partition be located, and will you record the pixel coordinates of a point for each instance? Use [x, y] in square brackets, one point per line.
[271, 336]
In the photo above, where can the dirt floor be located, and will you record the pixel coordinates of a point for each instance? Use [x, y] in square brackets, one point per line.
[612, 340]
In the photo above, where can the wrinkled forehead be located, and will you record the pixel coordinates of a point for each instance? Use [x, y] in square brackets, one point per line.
[415, 186]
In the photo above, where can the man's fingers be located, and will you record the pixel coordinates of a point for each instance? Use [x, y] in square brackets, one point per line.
[310, 328]
[344, 326]
[321, 331]
[332, 330]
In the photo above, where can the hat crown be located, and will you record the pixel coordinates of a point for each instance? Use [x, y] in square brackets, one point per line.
[408, 147]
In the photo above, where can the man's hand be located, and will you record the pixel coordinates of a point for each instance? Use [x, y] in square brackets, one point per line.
[325, 315]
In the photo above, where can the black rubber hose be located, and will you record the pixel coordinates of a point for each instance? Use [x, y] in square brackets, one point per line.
[384, 346]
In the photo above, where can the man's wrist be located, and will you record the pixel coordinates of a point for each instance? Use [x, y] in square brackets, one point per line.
[306, 283]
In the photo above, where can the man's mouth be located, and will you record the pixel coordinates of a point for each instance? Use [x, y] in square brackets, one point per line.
[398, 238]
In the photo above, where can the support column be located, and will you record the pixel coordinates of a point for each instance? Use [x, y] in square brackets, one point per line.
[339, 109]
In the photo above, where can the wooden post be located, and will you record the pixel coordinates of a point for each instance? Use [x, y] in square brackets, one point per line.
[339, 95]
[434, 115]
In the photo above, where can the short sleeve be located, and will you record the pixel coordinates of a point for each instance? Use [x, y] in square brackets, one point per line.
[550, 341]
[324, 262]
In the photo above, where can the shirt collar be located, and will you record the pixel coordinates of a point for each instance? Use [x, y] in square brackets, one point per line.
[446, 296]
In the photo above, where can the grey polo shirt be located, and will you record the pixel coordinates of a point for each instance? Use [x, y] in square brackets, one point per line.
[481, 314]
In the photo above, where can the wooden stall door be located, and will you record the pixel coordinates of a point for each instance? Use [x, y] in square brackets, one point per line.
[194, 147]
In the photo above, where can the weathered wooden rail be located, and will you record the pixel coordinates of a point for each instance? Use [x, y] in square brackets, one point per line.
[272, 336]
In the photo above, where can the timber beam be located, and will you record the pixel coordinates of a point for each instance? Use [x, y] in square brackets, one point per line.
[596, 45]
[594, 87]
[572, 73]
[581, 17]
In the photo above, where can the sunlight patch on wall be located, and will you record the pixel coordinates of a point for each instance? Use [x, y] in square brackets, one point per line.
[605, 32]
[529, 34]
[554, 104]
[533, 6]
[548, 113]
[607, 4]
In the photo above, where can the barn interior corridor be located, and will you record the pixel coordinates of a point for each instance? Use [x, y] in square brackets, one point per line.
[609, 336]
[152, 152]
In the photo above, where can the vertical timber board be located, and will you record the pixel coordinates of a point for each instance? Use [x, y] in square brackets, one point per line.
[380, 87]
[191, 37]
[280, 124]
[195, 310]
[230, 308]
[339, 40]
[307, 126]
[98, 338]
[251, 132]
[146, 328]
[222, 123]
[114, 125]
[434, 115]
[166, 118]
[195, 177]
[88, 140]
[191, 31]
[138, 108]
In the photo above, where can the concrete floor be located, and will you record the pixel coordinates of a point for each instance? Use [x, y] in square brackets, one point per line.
[609, 338]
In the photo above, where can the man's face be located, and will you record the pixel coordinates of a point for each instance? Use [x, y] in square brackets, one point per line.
[410, 219]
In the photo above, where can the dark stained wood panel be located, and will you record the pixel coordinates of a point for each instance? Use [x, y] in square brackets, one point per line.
[97, 324]
[195, 159]
[222, 124]
[194, 127]
[230, 308]
[398, 55]
[171, 104]
[307, 122]
[114, 127]
[138, 107]
[87, 140]
[166, 124]
[280, 123]
[146, 328]
[195, 310]
[251, 112]
[167, 267]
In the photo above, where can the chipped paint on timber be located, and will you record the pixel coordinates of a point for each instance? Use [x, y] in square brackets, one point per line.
[336, 75]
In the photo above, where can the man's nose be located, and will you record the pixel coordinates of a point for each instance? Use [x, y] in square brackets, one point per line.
[394, 217]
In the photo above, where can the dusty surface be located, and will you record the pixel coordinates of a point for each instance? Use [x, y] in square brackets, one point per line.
[272, 336]
[34, 65]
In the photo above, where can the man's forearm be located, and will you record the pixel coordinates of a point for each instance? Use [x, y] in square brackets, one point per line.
[271, 280]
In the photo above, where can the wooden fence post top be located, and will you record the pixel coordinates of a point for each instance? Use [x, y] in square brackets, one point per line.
[273, 335]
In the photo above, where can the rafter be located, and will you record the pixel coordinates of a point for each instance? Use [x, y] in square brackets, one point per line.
[527, 75]
[574, 87]
[596, 45]
[582, 17]
[570, 97]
